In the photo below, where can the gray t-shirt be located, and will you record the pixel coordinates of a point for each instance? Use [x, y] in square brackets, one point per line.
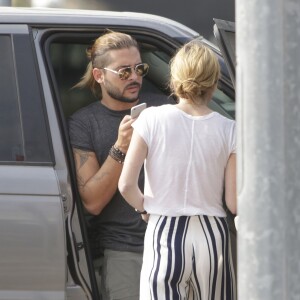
[118, 227]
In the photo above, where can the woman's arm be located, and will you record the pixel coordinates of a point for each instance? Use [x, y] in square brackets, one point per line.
[230, 184]
[128, 182]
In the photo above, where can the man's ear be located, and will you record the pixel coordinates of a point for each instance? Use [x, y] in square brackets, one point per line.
[98, 75]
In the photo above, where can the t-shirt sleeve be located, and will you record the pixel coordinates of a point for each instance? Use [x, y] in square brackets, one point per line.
[79, 133]
[232, 138]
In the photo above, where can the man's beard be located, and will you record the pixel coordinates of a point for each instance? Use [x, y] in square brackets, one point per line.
[114, 93]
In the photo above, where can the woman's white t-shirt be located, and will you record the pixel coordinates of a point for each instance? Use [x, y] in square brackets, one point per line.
[186, 160]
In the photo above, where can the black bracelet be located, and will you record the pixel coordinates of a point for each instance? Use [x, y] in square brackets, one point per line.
[117, 154]
[141, 212]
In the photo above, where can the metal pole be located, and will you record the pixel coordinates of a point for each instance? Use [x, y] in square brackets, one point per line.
[5, 2]
[268, 118]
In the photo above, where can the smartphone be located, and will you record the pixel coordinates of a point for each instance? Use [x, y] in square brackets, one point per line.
[136, 110]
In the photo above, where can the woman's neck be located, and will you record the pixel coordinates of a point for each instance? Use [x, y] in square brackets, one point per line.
[193, 108]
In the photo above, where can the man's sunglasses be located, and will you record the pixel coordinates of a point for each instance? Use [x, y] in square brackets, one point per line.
[125, 73]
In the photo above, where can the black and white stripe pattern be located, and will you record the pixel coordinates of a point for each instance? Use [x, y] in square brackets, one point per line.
[187, 258]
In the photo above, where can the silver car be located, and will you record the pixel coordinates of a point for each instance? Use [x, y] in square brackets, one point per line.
[44, 252]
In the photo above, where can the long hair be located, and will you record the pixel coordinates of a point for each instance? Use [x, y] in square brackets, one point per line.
[98, 55]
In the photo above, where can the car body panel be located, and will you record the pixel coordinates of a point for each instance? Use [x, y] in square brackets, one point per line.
[32, 252]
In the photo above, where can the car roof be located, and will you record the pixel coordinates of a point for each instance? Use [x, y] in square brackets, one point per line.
[79, 17]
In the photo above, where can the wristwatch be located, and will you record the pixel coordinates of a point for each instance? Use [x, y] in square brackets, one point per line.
[141, 212]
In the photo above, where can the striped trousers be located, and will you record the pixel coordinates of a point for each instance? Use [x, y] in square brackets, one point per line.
[187, 258]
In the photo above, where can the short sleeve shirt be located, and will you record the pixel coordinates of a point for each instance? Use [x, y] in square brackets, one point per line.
[186, 160]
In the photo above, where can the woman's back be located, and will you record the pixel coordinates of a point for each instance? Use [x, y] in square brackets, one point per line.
[186, 159]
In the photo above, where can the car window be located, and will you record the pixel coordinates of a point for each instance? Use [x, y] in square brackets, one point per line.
[69, 63]
[23, 130]
[68, 59]
[223, 103]
[224, 32]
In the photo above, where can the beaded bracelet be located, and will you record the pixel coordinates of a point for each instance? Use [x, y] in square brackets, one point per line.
[117, 154]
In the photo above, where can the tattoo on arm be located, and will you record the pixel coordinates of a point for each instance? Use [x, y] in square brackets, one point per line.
[83, 157]
[100, 177]
[81, 183]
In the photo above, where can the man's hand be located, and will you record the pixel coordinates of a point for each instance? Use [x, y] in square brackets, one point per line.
[124, 134]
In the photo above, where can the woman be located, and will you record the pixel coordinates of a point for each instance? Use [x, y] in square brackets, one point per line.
[189, 154]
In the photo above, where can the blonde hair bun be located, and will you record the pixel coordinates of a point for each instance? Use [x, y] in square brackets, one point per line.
[194, 70]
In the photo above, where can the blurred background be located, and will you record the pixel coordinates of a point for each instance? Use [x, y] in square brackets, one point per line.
[196, 14]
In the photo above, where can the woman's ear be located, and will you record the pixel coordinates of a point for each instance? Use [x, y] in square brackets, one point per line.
[98, 75]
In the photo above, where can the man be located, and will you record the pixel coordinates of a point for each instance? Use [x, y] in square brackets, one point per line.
[100, 135]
